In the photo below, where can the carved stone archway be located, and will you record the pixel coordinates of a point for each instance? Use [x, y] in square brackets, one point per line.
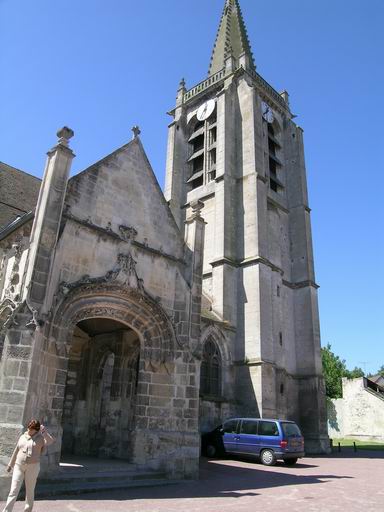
[213, 408]
[214, 332]
[129, 306]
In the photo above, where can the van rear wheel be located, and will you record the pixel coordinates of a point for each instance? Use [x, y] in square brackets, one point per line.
[268, 458]
[290, 462]
[211, 450]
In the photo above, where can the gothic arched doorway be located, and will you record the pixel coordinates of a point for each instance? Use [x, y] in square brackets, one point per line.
[100, 393]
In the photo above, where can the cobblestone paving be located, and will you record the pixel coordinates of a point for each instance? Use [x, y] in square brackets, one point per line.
[344, 482]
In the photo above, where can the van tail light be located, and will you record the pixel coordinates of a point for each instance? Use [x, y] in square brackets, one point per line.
[283, 444]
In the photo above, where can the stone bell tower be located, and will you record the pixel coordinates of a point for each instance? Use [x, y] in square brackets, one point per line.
[234, 146]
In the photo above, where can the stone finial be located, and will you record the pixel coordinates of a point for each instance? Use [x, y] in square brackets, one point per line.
[285, 96]
[136, 131]
[64, 135]
[180, 93]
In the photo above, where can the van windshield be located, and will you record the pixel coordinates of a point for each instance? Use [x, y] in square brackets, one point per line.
[290, 429]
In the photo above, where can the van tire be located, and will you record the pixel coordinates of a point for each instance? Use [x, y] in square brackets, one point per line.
[268, 458]
[290, 462]
[211, 451]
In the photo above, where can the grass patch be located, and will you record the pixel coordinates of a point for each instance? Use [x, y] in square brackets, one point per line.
[362, 445]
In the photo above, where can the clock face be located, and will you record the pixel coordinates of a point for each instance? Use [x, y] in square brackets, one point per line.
[267, 112]
[205, 110]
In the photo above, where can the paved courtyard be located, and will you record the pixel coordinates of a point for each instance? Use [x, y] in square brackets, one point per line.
[345, 482]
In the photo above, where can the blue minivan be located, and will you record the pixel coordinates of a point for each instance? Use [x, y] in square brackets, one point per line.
[267, 439]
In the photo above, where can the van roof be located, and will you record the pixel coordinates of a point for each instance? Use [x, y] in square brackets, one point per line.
[258, 419]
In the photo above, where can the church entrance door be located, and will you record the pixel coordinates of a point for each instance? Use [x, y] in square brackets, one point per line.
[100, 393]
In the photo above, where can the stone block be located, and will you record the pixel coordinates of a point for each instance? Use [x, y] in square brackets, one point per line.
[180, 424]
[141, 423]
[160, 401]
[7, 383]
[180, 392]
[23, 369]
[159, 423]
[13, 336]
[181, 368]
[142, 399]
[11, 368]
[140, 410]
[191, 392]
[14, 415]
[60, 391]
[158, 412]
[193, 404]
[192, 425]
[161, 378]
[177, 412]
[146, 377]
[161, 390]
[142, 388]
[190, 413]
[61, 377]
[57, 403]
[179, 402]
[20, 384]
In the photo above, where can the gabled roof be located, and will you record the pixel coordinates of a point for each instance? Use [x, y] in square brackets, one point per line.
[231, 40]
[377, 379]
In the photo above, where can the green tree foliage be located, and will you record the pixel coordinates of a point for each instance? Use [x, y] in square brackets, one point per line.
[333, 369]
[353, 374]
[380, 371]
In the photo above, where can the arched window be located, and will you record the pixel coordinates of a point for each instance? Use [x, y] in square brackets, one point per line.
[210, 372]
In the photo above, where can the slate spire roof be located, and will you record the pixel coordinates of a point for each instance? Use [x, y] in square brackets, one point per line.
[231, 40]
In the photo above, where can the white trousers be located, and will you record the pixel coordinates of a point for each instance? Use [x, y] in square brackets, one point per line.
[29, 473]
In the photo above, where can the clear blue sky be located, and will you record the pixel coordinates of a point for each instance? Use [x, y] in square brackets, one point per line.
[102, 66]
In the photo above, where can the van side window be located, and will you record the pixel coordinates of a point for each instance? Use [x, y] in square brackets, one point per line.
[230, 427]
[249, 427]
[268, 428]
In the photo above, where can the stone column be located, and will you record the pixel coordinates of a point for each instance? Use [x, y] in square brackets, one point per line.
[22, 366]
[224, 265]
[194, 236]
[311, 387]
[175, 190]
[47, 220]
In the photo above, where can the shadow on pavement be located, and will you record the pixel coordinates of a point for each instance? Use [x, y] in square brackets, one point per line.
[252, 460]
[217, 479]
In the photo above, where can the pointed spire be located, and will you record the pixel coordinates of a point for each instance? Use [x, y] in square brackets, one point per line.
[231, 41]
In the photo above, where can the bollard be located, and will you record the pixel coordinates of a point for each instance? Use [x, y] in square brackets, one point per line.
[339, 448]
[354, 447]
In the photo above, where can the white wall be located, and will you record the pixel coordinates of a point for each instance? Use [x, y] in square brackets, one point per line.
[359, 414]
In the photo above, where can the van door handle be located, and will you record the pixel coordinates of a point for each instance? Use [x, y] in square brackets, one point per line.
[237, 438]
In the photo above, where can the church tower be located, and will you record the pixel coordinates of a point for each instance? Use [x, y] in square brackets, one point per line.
[233, 146]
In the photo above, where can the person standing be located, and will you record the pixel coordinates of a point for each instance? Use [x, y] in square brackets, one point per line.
[25, 462]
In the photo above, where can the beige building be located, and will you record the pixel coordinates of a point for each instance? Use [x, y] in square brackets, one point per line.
[131, 319]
